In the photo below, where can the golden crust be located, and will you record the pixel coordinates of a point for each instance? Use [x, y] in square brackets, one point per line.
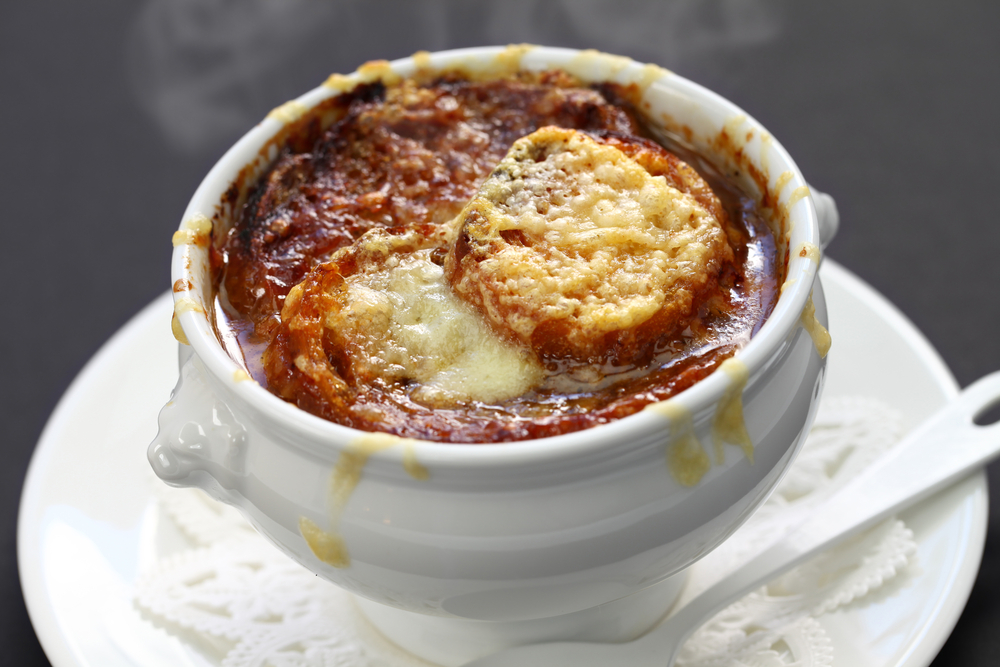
[589, 248]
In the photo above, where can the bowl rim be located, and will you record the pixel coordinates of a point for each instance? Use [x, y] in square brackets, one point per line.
[326, 438]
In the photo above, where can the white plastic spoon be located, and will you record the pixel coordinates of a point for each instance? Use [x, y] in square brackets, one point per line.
[943, 450]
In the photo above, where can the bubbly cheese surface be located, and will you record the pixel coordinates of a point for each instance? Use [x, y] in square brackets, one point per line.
[578, 232]
[407, 325]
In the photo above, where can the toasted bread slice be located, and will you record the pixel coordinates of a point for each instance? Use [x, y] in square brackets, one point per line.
[589, 247]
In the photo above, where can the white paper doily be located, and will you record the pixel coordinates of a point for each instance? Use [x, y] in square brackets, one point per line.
[237, 598]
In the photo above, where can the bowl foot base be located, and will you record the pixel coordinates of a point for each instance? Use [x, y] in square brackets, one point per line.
[452, 642]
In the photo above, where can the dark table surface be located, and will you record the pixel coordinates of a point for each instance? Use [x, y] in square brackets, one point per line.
[113, 112]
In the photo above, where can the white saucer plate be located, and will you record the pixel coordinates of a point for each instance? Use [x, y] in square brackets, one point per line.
[89, 524]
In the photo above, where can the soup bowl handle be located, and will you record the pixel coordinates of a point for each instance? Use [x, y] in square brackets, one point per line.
[200, 441]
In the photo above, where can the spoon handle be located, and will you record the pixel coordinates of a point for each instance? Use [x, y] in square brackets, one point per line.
[940, 452]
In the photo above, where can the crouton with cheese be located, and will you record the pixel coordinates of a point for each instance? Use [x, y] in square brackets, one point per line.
[588, 247]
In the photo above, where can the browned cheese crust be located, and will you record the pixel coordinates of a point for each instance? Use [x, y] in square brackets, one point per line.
[359, 284]
[574, 247]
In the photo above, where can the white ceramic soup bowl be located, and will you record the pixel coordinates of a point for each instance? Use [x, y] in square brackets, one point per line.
[584, 530]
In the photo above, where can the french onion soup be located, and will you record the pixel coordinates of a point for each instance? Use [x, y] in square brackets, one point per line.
[465, 259]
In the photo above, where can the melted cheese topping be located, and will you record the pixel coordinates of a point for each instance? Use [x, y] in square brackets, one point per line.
[811, 251]
[177, 331]
[686, 458]
[328, 545]
[375, 70]
[585, 235]
[406, 324]
[783, 180]
[797, 195]
[289, 112]
[820, 336]
[196, 230]
[413, 467]
[729, 425]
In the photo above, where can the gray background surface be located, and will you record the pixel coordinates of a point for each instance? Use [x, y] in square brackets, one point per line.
[113, 112]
